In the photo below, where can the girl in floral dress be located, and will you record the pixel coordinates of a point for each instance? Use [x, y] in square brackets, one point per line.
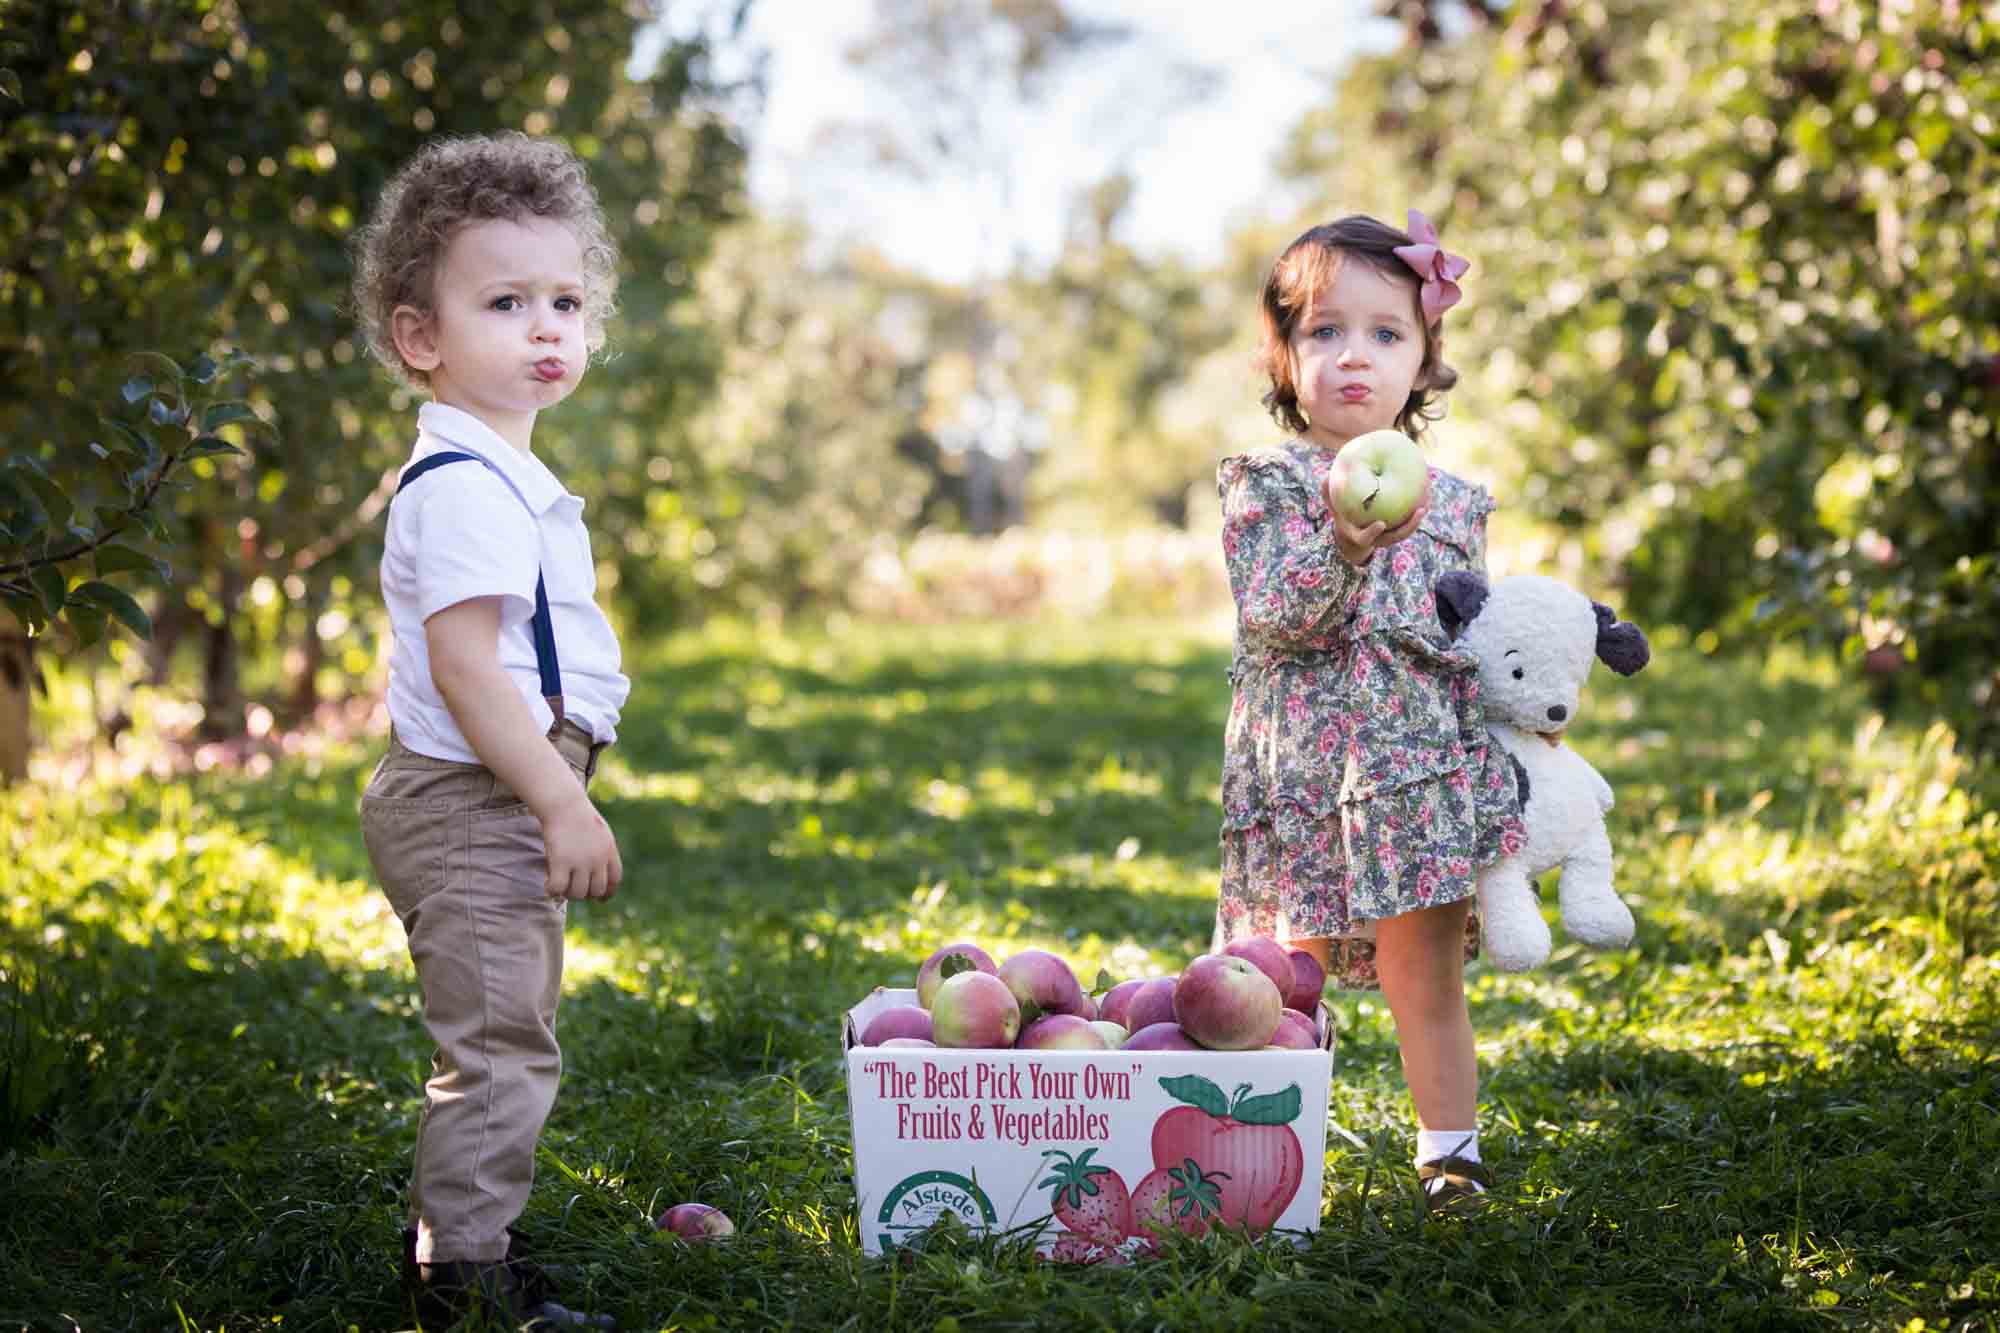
[1360, 795]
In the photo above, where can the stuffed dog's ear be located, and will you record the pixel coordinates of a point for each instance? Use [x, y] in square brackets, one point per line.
[1620, 644]
[1460, 595]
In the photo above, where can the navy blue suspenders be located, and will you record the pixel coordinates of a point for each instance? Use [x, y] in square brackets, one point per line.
[541, 626]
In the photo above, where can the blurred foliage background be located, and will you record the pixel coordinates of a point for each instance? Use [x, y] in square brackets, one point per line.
[1730, 352]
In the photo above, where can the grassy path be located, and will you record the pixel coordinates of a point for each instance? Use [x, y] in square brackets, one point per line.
[1782, 1109]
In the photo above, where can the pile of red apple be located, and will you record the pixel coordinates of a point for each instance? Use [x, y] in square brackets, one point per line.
[1255, 994]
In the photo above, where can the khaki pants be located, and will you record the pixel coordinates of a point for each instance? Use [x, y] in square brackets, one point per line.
[462, 861]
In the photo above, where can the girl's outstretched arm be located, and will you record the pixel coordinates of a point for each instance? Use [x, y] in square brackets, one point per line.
[1285, 571]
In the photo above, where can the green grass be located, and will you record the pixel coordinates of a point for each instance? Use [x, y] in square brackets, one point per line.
[1781, 1109]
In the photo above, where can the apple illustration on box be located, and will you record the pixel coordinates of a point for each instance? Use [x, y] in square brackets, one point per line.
[1381, 478]
[1218, 1161]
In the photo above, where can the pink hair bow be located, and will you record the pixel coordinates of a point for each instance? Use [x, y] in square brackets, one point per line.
[1439, 269]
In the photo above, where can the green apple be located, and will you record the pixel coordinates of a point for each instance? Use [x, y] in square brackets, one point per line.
[1381, 476]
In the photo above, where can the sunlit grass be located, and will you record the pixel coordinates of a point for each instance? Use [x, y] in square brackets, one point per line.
[1774, 1111]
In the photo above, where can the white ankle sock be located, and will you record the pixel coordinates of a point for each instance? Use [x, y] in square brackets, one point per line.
[1435, 1143]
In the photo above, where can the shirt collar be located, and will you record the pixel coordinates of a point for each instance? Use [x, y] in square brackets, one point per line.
[529, 476]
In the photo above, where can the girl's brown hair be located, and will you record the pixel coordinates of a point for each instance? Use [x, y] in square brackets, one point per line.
[479, 178]
[1300, 274]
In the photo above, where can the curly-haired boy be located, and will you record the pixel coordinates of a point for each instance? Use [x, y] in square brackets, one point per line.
[484, 277]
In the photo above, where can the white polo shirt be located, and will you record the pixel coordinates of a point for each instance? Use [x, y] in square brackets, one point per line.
[468, 530]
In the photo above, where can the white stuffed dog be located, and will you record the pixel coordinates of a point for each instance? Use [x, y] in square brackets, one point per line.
[1534, 639]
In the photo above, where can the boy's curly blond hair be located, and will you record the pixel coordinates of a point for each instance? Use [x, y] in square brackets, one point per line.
[454, 181]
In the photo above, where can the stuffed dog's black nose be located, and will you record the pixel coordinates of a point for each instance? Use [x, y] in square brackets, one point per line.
[1558, 713]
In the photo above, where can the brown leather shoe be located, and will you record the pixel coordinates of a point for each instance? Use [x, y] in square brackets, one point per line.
[1461, 1184]
[511, 1294]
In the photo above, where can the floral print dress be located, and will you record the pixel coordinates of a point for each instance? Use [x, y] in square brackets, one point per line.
[1358, 781]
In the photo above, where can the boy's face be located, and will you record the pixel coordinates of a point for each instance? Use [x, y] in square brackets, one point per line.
[1356, 353]
[505, 335]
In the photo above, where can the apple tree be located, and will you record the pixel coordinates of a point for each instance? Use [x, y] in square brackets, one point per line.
[1736, 302]
[185, 175]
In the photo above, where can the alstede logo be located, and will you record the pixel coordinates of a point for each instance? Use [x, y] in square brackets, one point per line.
[919, 1201]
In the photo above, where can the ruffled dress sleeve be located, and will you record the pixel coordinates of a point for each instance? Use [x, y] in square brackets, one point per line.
[1289, 580]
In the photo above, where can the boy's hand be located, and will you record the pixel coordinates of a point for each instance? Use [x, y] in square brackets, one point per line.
[1356, 544]
[583, 856]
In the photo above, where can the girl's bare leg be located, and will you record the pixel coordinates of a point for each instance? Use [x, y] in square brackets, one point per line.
[1420, 959]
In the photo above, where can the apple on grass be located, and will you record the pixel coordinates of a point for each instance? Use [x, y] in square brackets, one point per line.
[946, 962]
[1227, 1004]
[696, 1222]
[1381, 476]
[975, 1010]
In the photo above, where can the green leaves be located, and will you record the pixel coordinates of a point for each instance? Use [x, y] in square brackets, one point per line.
[66, 506]
[1273, 1108]
[117, 601]
[1197, 1091]
[218, 415]
[49, 585]
[1755, 247]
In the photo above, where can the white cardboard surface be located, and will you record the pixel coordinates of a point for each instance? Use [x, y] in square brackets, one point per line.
[976, 1132]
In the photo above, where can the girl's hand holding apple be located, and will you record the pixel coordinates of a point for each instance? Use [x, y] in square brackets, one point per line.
[1357, 542]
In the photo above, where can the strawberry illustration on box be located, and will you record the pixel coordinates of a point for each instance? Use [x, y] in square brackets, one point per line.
[1092, 1204]
[1231, 1161]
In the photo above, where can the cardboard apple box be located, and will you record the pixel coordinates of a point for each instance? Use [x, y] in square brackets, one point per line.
[1231, 1139]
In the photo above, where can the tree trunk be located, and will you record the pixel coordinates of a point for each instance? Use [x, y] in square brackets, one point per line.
[168, 627]
[221, 694]
[305, 691]
[17, 671]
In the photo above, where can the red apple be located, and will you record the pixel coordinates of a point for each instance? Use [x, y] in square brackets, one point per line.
[1308, 983]
[1117, 1000]
[903, 1020]
[975, 1009]
[696, 1222]
[931, 975]
[1042, 984]
[1061, 1032]
[1271, 958]
[1226, 1004]
[1088, 1010]
[1152, 1003]
[1295, 1032]
[909, 1043]
[1161, 1037]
